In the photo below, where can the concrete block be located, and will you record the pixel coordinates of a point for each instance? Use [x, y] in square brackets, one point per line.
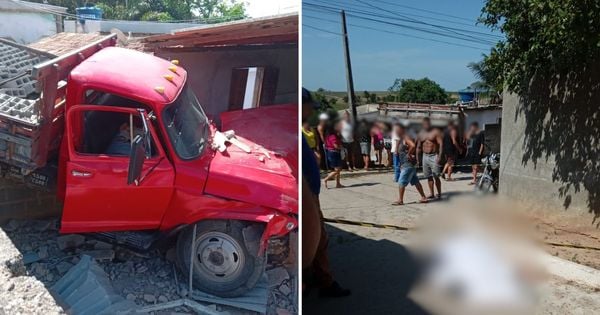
[69, 241]
[101, 254]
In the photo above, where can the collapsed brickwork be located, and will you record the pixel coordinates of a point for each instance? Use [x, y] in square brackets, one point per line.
[19, 200]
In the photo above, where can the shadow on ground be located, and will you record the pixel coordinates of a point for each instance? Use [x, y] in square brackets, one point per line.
[362, 184]
[380, 274]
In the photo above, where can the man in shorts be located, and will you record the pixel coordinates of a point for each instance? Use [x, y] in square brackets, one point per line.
[406, 159]
[429, 142]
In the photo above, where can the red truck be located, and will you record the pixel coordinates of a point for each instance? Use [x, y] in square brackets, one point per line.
[138, 161]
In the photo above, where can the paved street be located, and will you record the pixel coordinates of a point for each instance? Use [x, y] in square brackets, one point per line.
[375, 263]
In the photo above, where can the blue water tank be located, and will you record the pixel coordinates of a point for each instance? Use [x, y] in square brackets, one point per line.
[466, 95]
[88, 13]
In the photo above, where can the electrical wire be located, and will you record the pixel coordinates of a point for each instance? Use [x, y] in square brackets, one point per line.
[429, 24]
[320, 29]
[443, 33]
[304, 15]
[465, 35]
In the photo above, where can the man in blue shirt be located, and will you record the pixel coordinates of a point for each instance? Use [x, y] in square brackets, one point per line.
[315, 239]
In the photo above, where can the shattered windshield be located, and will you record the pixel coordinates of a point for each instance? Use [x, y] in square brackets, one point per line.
[186, 125]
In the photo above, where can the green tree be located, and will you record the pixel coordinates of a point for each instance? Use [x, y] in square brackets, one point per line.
[486, 76]
[542, 37]
[418, 91]
[220, 10]
[212, 11]
[550, 57]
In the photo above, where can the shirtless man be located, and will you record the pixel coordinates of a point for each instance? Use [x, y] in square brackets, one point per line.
[429, 142]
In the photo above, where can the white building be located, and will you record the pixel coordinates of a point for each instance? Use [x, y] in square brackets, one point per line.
[26, 22]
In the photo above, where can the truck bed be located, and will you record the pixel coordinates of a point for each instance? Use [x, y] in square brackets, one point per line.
[32, 103]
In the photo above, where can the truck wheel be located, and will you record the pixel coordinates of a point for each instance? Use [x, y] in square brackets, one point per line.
[221, 264]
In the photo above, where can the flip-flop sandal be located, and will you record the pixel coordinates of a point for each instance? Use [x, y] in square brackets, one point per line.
[397, 203]
[471, 183]
[423, 201]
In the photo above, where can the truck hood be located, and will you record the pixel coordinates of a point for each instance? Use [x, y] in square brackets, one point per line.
[268, 175]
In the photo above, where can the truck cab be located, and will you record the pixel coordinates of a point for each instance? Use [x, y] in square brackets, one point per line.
[139, 161]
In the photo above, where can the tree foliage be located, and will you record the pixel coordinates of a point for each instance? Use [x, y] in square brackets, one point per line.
[543, 37]
[488, 78]
[418, 91]
[206, 11]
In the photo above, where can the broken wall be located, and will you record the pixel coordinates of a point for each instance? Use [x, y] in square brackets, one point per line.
[19, 201]
[210, 72]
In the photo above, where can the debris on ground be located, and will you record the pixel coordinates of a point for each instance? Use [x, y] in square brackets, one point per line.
[21, 291]
[145, 279]
[85, 289]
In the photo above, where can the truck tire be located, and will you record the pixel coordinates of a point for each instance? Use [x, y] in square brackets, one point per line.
[222, 264]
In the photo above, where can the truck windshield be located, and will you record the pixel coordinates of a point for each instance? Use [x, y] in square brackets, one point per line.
[187, 125]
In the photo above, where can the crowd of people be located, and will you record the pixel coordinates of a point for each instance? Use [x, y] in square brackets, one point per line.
[334, 144]
[337, 145]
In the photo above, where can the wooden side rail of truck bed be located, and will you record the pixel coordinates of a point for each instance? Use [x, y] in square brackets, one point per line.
[31, 141]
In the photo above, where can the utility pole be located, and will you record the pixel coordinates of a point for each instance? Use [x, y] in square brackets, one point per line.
[350, 82]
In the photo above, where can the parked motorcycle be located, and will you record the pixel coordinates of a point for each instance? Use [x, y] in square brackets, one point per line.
[491, 173]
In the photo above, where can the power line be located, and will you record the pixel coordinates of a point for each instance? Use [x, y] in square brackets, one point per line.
[470, 35]
[442, 33]
[395, 33]
[320, 29]
[429, 24]
[445, 33]
[424, 10]
[472, 23]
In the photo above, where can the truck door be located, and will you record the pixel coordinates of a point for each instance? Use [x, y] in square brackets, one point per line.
[98, 197]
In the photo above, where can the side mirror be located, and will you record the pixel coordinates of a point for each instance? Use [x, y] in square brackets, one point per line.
[136, 160]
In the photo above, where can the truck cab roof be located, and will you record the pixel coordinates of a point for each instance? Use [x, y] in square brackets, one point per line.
[131, 74]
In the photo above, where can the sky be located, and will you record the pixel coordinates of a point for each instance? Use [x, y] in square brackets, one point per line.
[259, 8]
[379, 57]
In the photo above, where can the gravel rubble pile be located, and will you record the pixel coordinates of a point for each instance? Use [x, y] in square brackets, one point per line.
[34, 256]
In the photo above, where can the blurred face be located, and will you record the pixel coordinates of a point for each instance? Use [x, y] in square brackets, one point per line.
[347, 116]
[399, 131]
[307, 110]
[426, 124]
[338, 126]
[474, 128]
[305, 125]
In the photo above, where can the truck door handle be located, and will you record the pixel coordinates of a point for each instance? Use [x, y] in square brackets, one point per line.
[77, 173]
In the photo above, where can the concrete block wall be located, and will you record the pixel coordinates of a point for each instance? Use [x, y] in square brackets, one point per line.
[18, 201]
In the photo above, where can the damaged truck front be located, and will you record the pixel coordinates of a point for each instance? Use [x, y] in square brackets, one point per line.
[137, 161]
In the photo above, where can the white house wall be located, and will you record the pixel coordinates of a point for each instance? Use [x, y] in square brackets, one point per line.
[26, 27]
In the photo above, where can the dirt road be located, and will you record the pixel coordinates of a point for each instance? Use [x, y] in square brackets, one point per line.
[378, 267]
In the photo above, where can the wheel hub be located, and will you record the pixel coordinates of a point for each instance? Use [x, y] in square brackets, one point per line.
[216, 258]
[219, 256]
